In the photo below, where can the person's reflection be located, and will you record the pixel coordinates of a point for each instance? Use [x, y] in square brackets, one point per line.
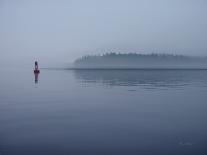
[36, 77]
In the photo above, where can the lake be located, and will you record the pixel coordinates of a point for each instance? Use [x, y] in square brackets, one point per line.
[103, 112]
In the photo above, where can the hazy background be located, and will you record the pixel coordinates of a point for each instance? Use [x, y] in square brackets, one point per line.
[57, 31]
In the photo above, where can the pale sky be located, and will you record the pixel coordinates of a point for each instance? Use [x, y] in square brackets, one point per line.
[59, 31]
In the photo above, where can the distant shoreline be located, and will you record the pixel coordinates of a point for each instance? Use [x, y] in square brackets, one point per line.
[73, 68]
[139, 61]
[134, 61]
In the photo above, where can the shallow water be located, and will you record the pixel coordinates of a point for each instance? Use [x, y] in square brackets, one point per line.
[103, 112]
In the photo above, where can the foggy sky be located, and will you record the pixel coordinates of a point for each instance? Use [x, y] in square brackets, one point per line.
[57, 31]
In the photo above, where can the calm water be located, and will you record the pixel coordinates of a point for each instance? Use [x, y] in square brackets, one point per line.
[103, 112]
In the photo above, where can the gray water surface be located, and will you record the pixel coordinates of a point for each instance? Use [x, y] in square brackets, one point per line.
[103, 112]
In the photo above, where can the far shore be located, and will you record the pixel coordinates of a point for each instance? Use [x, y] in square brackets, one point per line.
[116, 68]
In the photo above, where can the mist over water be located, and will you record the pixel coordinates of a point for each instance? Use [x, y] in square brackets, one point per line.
[103, 112]
[56, 32]
[117, 109]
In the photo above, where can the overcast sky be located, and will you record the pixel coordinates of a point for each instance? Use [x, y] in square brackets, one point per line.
[58, 31]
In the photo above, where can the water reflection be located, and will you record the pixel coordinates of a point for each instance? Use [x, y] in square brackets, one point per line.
[145, 78]
[36, 77]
